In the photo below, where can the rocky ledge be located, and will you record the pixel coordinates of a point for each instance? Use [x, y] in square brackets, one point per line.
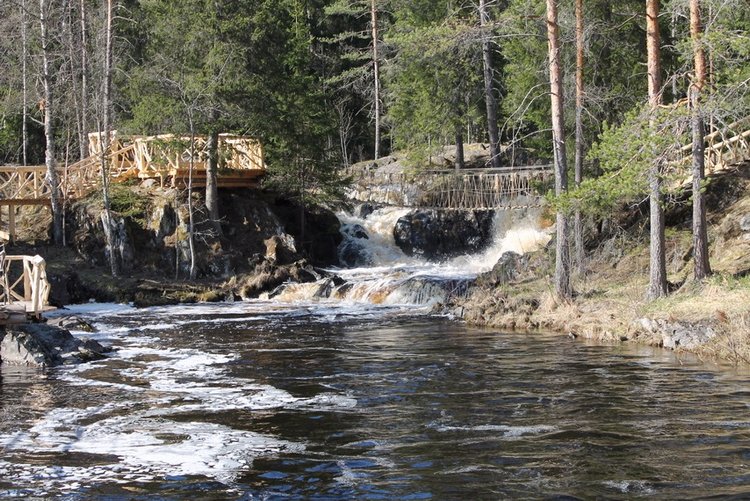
[43, 345]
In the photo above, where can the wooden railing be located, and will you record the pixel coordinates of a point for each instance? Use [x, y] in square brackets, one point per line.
[23, 280]
[485, 189]
[725, 147]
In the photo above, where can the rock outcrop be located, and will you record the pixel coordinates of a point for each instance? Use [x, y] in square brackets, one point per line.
[678, 335]
[41, 345]
[437, 235]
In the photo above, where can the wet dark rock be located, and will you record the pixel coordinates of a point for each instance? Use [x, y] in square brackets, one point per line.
[71, 322]
[367, 208]
[41, 345]
[353, 251]
[355, 231]
[280, 249]
[507, 269]
[267, 277]
[440, 234]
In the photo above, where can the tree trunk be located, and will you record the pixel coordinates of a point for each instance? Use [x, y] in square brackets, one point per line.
[212, 189]
[105, 138]
[562, 257]
[657, 263]
[376, 74]
[191, 222]
[84, 82]
[459, 163]
[701, 265]
[49, 133]
[489, 91]
[577, 225]
[72, 42]
[24, 86]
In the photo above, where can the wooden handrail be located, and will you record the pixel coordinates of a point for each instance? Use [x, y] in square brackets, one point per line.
[28, 285]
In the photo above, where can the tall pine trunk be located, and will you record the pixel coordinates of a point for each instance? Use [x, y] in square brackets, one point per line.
[489, 88]
[562, 255]
[459, 163]
[49, 133]
[701, 265]
[578, 225]
[376, 75]
[657, 286]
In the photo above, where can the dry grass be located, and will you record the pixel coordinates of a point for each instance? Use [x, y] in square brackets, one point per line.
[732, 343]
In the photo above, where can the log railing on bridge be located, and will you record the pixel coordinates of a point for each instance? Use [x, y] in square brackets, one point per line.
[507, 188]
[725, 147]
[481, 189]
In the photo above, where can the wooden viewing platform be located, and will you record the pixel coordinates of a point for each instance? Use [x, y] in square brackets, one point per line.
[166, 158]
[24, 288]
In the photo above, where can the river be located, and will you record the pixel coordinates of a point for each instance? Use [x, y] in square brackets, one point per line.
[360, 391]
[262, 401]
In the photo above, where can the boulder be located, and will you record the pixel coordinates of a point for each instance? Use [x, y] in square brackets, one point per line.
[267, 276]
[41, 345]
[281, 249]
[367, 208]
[73, 322]
[441, 234]
[676, 335]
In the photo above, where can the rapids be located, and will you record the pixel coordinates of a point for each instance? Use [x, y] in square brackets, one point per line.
[392, 278]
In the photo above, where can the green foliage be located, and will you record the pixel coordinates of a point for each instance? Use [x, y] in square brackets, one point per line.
[625, 154]
[126, 201]
[434, 82]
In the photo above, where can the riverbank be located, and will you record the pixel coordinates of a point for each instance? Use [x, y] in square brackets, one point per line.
[710, 319]
[257, 254]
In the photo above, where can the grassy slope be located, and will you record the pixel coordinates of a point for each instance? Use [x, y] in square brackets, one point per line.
[610, 298]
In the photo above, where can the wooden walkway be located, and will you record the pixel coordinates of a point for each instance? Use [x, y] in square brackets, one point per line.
[165, 158]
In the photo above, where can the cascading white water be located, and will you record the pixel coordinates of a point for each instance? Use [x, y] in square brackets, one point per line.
[390, 277]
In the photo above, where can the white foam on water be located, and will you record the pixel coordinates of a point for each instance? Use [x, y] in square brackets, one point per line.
[629, 486]
[509, 432]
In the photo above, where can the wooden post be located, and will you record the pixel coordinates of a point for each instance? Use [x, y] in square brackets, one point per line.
[11, 222]
[27, 279]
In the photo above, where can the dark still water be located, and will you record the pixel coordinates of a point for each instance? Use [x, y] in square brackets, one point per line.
[260, 401]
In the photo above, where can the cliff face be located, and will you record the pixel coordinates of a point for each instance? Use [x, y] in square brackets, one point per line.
[150, 228]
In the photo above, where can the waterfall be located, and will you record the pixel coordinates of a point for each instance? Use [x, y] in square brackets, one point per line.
[380, 273]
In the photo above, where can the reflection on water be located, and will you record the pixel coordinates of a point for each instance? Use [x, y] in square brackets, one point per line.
[260, 400]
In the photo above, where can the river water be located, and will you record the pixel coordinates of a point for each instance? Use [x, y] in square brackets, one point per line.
[359, 391]
[326, 401]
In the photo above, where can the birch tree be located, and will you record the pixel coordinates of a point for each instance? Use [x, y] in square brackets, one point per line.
[577, 224]
[105, 138]
[48, 104]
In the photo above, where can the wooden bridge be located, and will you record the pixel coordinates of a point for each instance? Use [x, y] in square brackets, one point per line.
[482, 189]
[24, 288]
[522, 187]
[166, 158]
